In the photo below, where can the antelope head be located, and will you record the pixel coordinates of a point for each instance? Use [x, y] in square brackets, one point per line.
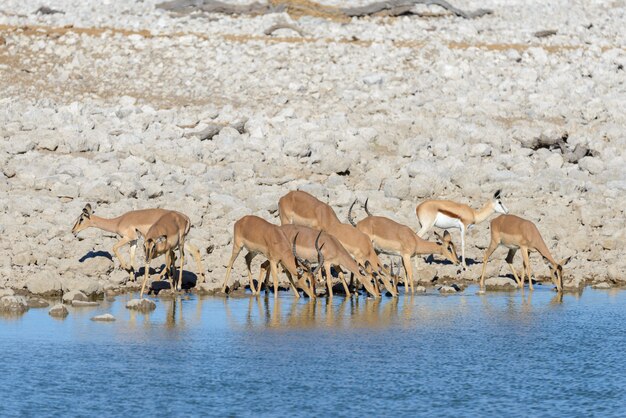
[498, 206]
[448, 250]
[152, 246]
[556, 271]
[83, 221]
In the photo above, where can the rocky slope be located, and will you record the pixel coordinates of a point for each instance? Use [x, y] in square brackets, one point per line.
[123, 106]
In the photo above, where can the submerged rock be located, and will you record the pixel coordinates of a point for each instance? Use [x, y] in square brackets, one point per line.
[13, 304]
[602, 285]
[84, 303]
[104, 318]
[37, 303]
[500, 283]
[420, 289]
[141, 305]
[58, 311]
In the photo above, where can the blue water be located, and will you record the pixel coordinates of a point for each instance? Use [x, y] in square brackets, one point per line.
[512, 354]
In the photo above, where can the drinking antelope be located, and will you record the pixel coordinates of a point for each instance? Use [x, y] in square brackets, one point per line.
[332, 254]
[166, 235]
[301, 208]
[517, 233]
[261, 237]
[393, 238]
[447, 214]
[125, 226]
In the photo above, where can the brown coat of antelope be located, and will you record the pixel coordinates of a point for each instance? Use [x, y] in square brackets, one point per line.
[333, 253]
[261, 237]
[301, 208]
[517, 233]
[390, 237]
[125, 226]
[166, 235]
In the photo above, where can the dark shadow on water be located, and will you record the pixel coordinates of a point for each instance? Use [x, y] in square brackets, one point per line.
[94, 254]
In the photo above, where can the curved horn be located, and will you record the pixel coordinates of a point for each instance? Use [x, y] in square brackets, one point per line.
[366, 209]
[320, 256]
[295, 254]
[350, 213]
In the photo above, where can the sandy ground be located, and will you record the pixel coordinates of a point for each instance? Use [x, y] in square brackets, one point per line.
[106, 104]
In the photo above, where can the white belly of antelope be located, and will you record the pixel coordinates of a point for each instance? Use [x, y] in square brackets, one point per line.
[447, 222]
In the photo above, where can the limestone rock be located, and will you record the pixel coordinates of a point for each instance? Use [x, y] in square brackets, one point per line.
[601, 285]
[13, 304]
[449, 289]
[141, 305]
[6, 292]
[84, 303]
[73, 295]
[44, 283]
[58, 311]
[104, 318]
[500, 283]
[37, 303]
[574, 284]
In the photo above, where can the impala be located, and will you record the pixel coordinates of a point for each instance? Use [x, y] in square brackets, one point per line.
[166, 235]
[517, 233]
[125, 226]
[301, 208]
[393, 238]
[308, 242]
[447, 214]
[261, 237]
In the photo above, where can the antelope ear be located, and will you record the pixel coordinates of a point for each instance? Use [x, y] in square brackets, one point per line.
[565, 261]
[139, 234]
[496, 195]
[87, 209]
[447, 236]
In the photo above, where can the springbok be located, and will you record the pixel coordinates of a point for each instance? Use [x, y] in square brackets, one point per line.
[332, 254]
[125, 226]
[517, 233]
[447, 214]
[166, 235]
[393, 238]
[261, 237]
[301, 208]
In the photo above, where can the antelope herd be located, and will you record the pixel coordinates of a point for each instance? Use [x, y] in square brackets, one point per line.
[311, 234]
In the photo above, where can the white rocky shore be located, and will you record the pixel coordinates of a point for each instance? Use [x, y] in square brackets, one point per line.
[117, 104]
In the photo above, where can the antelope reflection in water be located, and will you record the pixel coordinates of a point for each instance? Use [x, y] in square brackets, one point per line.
[282, 313]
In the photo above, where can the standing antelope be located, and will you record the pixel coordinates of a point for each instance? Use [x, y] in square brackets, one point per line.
[166, 235]
[125, 226]
[261, 237]
[393, 238]
[447, 214]
[517, 233]
[301, 208]
[332, 253]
